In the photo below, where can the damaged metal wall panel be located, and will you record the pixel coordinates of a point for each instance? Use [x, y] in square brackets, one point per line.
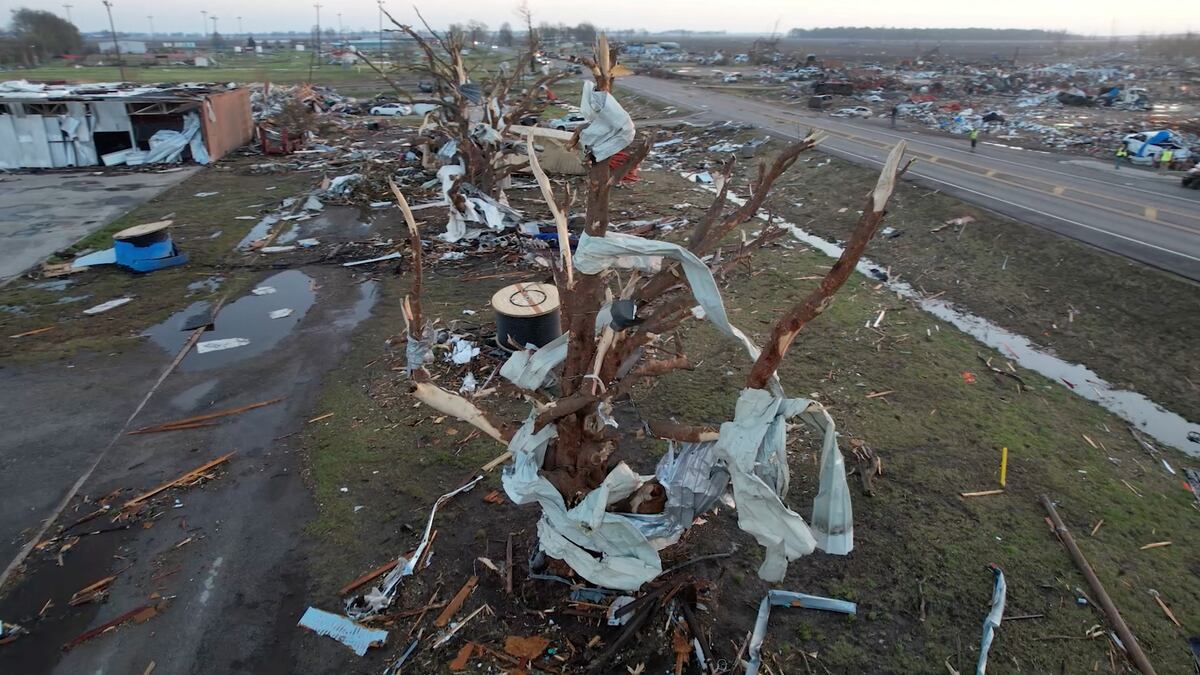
[10, 151]
[112, 116]
[33, 146]
[226, 122]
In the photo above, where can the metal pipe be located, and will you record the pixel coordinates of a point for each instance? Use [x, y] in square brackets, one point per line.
[1114, 616]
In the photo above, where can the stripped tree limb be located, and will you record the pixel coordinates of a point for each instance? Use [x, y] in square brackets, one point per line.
[456, 406]
[819, 299]
[560, 218]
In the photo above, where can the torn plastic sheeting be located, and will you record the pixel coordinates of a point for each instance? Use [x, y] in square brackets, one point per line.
[529, 369]
[356, 637]
[313, 204]
[381, 596]
[105, 306]
[596, 254]
[477, 208]
[610, 129]
[418, 352]
[787, 599]
[626, 559]
[461, 351]
[382, 258]
[992, 621]
[106, 257]
[343, 185]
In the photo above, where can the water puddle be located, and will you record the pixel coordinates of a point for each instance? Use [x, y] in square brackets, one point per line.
[1149, 417]
[260, 230]
[189, 399]
[247, 318]
[368, 293]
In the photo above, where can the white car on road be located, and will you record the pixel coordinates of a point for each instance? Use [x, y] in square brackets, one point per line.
[392, 110]
[568, 122]
[860, 111]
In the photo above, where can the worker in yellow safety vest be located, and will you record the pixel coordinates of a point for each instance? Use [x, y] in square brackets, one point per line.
[1122, 153]
[974, 139]
[1164, 160]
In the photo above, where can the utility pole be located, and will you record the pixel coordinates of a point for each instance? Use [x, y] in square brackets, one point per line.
[204, 23]
[339, 26]
[214, 33]
[151, 19]
[68, 8]
[317, 47]
[380, 26]
[116, 45]
[240, 31]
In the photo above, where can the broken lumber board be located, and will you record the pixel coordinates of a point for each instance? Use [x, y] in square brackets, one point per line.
[981, 493]
[170, 426]
[138, 614]
[89, 592]
[373, 574]
[456, 603]
[194, 473]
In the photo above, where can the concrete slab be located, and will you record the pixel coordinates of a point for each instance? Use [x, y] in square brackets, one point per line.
[45, 212]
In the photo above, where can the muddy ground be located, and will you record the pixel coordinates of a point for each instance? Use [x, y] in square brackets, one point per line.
[342, 478]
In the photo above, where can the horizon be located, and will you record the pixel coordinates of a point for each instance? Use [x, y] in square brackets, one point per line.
[1101, 18]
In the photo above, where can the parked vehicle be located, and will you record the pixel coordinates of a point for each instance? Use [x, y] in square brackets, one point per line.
[425, 87]
[1146, 146]
[568, 122]
[859, 111]
[1191, 179]
[392, 110]
[731, 78]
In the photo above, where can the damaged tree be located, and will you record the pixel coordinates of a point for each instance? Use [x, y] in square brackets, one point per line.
[472, 119]
[624, 299]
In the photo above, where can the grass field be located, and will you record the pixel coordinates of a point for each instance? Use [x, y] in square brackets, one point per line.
[278, 67]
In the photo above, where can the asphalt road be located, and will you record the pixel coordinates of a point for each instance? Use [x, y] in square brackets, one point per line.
[1133, 213]
[41, 213]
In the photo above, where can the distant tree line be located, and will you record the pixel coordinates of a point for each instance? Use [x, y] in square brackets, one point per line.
[869, 33]
[34, 36]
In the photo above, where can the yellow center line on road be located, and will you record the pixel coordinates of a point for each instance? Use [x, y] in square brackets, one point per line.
[1092, 204]
[1148, 213]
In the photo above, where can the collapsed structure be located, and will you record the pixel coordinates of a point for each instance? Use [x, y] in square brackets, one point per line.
[55, 126]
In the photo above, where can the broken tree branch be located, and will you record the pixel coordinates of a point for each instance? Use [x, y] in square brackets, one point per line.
[456, 406]
[819, 299]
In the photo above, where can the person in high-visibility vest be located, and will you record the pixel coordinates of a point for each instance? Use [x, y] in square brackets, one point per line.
[1164, 160]
[974, 139]
[1122, 153]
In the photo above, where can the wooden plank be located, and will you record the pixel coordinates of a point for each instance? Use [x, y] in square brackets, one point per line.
[181, 479]
[456, 603]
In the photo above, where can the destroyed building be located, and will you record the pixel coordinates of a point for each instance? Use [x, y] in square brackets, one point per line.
[52, 126]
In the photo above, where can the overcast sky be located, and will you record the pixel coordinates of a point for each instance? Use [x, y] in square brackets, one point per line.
[1089, 17]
